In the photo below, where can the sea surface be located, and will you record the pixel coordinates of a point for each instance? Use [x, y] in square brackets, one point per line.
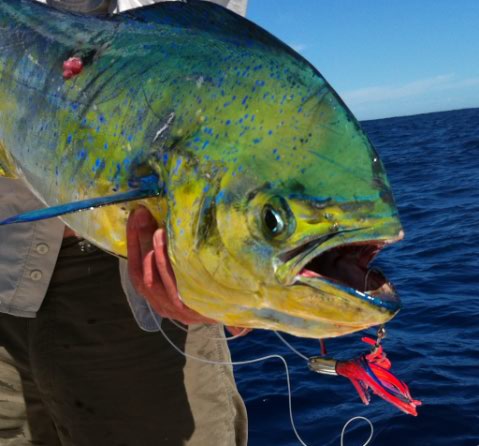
[432, 162]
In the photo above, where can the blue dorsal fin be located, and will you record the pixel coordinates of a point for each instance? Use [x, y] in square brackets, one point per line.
[209, 18]
[148, 187]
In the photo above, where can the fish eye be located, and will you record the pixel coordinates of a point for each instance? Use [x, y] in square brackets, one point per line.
[277, 220]
[273, 221]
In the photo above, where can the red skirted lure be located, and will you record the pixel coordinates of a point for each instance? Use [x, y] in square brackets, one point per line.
[370, 371]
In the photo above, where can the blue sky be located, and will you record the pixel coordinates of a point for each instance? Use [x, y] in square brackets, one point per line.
[385, 57]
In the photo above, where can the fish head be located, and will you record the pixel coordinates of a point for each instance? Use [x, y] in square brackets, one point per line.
[279, 234]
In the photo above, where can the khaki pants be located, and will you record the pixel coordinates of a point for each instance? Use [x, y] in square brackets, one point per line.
[91, 377]
[13, 416]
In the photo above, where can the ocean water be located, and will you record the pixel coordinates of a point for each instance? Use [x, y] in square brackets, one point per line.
[432, 162]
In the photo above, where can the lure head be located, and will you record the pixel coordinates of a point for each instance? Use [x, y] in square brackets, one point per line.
[276, 230]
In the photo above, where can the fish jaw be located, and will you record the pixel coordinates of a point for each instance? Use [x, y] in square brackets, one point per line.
[345, 294]
[312, 308]
[314, 305]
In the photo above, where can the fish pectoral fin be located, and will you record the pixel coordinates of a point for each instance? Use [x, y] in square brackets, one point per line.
[83, 205]
[7, 166]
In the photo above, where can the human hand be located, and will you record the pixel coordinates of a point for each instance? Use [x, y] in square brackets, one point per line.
[151, 273]
[150, 269]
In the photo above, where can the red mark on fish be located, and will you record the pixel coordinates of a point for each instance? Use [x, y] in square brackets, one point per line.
[72, 67]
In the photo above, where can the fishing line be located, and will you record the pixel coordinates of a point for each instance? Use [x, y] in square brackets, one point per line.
[343, 432]
[254, 361]
[291, 347]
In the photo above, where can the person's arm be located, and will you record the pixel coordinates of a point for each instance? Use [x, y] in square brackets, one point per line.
[28, 251]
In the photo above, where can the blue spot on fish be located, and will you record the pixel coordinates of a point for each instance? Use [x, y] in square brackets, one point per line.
[99, 165]
[177, 167]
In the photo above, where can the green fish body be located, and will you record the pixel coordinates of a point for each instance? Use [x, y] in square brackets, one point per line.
[273, 197]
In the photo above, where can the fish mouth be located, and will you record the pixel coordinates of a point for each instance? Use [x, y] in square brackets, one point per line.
[345, 266]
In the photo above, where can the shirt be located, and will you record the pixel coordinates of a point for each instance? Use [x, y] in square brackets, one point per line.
[238, 6]
[117, 6]
[28, 254]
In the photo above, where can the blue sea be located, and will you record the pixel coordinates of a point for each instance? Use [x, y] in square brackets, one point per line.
[432, 162]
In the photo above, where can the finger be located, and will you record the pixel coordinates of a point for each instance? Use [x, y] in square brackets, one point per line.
[185, 317]
[164, 265]
[146, 226]
[151, 277]
[155, 292]
[181, 312]
[163, 303]
[187, 314]
[238, 331]
[135, 263]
